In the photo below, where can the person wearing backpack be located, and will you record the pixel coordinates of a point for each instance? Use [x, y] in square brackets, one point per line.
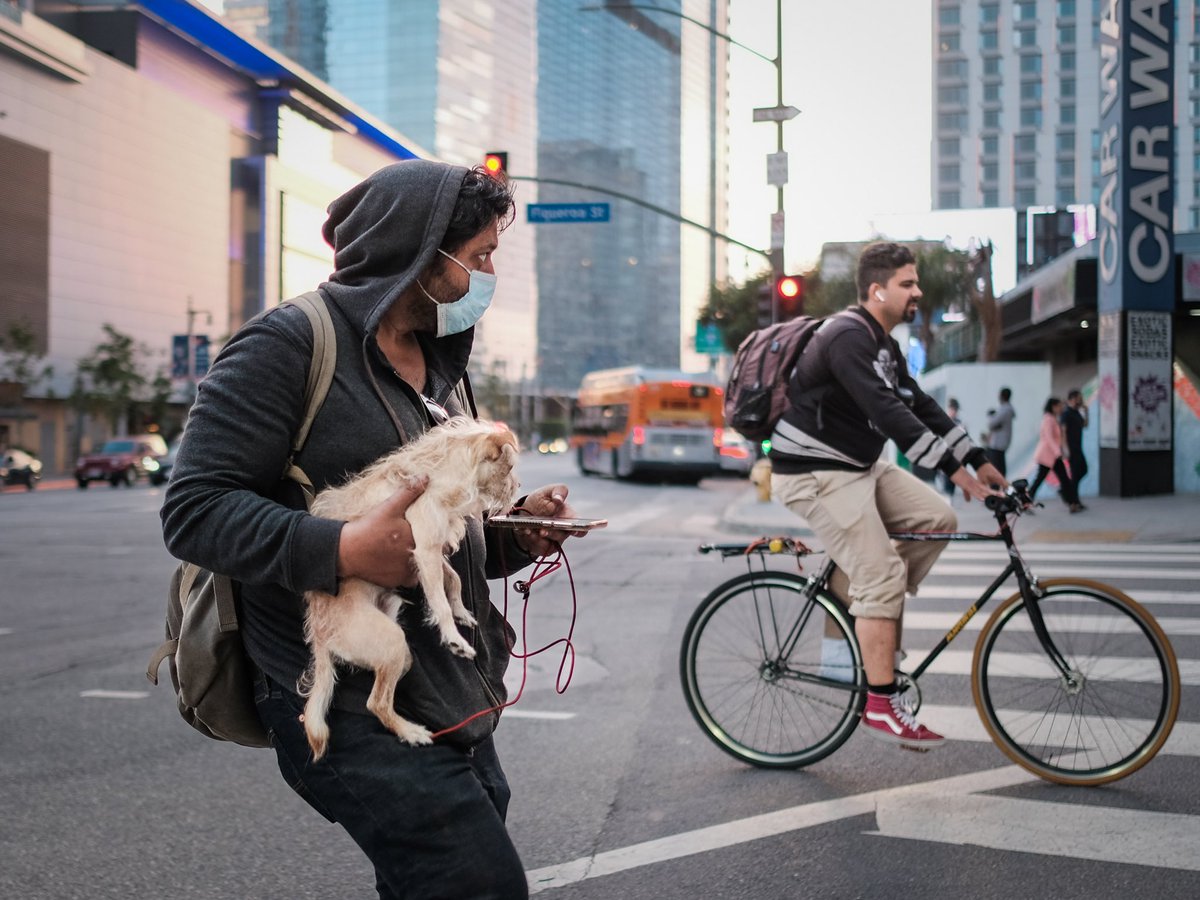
[848, 394]
[413, 248]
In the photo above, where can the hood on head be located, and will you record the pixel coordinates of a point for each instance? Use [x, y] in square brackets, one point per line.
[385, 231]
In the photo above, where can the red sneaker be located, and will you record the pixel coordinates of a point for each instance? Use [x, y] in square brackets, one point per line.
[888, 718]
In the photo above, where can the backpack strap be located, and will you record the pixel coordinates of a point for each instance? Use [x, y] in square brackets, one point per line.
[466, 397]
[320, 377]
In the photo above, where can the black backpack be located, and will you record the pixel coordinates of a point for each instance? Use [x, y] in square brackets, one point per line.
[756, 394]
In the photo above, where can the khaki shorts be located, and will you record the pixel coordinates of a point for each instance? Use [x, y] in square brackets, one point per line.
[852, 512]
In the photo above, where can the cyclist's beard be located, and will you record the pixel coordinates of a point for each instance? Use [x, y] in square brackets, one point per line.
[910, 313]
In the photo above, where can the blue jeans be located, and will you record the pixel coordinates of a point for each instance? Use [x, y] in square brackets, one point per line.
[430, 819]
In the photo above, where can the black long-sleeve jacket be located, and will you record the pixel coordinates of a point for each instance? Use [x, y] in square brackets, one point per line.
[850, 392]
[228, 509]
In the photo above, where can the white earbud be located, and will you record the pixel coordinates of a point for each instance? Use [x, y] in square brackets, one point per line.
[879, 296]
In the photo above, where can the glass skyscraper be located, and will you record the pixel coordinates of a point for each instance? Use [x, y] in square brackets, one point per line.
[625, 100]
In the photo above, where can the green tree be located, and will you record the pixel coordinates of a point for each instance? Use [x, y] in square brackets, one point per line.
[824, 296]
[110, 380]
[734, 308]
[945, 275]
[20, 358]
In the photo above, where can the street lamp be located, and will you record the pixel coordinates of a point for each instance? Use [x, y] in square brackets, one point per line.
[777, 164]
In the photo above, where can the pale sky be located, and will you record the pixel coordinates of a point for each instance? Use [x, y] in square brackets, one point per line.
[860, 72]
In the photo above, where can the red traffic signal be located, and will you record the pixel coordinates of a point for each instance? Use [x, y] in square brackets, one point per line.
[789, 295]
[496, 163]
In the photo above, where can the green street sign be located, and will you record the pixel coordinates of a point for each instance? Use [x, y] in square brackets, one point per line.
[708, 338]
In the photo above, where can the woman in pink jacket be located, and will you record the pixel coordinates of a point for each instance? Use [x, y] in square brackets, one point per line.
[1051, 447]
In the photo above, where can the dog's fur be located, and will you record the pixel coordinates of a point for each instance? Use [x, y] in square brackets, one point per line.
[470, 465]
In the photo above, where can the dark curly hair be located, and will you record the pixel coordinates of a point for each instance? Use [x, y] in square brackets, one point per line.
[482, 199]
[878, 263]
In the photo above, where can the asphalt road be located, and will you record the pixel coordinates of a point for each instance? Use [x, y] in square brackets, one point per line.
[617, 793]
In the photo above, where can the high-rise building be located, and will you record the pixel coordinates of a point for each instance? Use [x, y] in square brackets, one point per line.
[625, 100]
[1016, 89]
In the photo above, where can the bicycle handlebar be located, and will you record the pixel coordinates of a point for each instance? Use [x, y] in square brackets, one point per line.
[1016, 500]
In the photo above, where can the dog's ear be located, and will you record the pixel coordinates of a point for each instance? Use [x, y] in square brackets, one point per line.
[493, 445]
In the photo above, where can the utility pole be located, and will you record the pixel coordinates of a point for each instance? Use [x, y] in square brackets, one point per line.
[192, 312]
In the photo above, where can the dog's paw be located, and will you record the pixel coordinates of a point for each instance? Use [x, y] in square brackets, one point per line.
[417, 735]
[462, 617]
[459, 647]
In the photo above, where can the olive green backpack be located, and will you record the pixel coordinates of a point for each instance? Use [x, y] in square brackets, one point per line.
[213, 677]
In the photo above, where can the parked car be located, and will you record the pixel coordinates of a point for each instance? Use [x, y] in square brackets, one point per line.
[161, 474]
[738, 455]
[18, 467]
[121, 460]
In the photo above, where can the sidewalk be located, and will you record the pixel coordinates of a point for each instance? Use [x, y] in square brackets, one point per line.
[1170, 518]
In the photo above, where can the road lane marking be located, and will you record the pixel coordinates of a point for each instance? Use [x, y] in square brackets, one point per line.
[970, 592]
[115, 695]
[1158, 573]
[1077, 831]
[962, 723]
[535, 714]
[1082, 623]
[740, 831]
[5, 631]
[1142, 670]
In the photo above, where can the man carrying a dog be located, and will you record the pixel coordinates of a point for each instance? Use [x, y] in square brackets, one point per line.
[849, 393]
[413, 247]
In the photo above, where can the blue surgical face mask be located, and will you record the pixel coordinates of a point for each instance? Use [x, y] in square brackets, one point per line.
[468, 309]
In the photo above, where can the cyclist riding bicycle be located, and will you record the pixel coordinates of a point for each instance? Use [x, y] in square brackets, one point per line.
[849, 393]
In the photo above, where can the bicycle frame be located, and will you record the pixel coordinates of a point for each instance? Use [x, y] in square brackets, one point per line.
[1026, 583]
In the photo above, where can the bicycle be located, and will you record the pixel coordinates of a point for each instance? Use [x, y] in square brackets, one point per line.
[1074, 681]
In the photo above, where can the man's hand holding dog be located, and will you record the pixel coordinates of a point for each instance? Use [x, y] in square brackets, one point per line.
[548, 501]
[378, 547]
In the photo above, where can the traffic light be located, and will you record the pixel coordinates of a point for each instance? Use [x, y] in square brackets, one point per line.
[789, 296]
[496, 163]
[766, 305]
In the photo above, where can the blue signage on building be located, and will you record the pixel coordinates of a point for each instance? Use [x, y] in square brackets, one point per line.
[1136, 249]
[553, 213]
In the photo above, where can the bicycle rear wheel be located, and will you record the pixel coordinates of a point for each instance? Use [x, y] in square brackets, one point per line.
[772, 677]
[1108, 716]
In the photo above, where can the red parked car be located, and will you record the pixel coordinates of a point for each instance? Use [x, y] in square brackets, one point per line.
[121, 460]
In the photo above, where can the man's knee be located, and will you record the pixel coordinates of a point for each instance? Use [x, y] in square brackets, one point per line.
[881, 595]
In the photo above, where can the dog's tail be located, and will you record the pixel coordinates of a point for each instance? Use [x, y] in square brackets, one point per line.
[317, 685]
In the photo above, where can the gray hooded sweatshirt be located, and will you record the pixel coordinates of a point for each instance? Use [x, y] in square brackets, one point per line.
[228, 509]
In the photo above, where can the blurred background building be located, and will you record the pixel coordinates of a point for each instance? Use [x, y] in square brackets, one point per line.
[1017, 105]
[164, 179]
[606, 96]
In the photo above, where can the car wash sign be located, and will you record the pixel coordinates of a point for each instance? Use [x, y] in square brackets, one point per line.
[1135, 238]
[1137, 154]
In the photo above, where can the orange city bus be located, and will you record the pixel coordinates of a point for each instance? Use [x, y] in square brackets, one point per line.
[642, 421]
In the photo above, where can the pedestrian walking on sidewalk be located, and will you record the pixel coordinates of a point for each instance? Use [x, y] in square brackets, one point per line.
[849, 393]
[1051, 446]
[1074, 420]
[999, 431]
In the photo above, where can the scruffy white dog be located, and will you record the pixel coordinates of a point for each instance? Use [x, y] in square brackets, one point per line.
[470, 465]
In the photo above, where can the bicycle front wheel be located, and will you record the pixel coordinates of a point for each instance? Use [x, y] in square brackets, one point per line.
[1107, 715]
[772, 677]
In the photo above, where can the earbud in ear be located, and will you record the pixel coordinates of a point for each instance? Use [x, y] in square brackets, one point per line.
[879, 296]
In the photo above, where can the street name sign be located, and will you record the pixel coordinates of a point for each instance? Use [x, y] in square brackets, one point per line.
[777, 169]
[557, 213]
[775, 113]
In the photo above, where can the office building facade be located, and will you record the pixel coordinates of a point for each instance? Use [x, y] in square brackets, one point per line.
[1016, 92]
